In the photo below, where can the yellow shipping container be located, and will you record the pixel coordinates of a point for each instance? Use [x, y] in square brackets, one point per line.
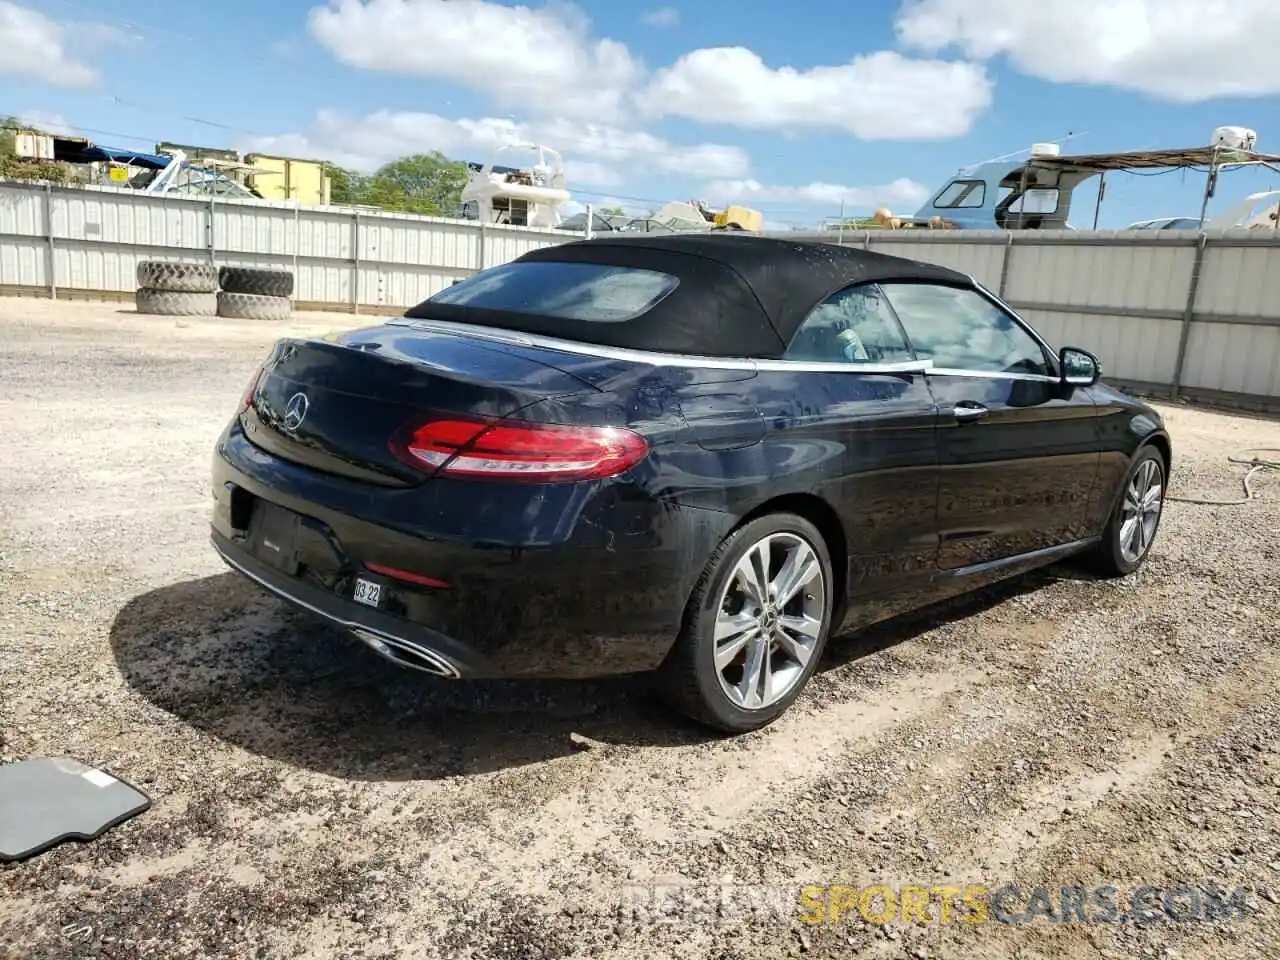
[285, 178]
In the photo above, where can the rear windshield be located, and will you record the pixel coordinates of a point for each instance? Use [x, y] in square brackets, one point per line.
[594, 292]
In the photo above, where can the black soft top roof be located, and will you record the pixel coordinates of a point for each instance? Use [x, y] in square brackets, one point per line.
[738, 296]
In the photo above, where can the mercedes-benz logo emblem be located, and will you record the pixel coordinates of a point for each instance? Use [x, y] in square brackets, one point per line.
[296, 411]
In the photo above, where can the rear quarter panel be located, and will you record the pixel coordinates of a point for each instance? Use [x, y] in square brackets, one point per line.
[1125, 425]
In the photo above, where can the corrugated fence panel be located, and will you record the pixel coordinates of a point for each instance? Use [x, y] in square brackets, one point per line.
[394, 239]
[1236, 357]
[1122, 295]
[317, 282]
[1141, 349]
[101, 267]
[505, 244]
[402, 287]
[326, 247]
[21, 211]
[108, 217]
[1242, 279]
[326, 235]
[1072, 272]
[979, 256]
[24, 262]
[24, 253]
[241, 229]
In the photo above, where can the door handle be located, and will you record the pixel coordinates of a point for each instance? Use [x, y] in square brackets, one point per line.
[969, 411]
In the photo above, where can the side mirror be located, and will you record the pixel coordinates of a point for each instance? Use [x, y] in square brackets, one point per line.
[1080, 368]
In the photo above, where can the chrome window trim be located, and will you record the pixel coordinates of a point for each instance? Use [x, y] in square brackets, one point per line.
[653, 358]
[990, 375]
[814, 366]
[656, 359]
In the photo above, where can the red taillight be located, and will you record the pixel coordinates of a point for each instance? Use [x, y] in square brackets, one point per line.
[247, 400]
[518, 450]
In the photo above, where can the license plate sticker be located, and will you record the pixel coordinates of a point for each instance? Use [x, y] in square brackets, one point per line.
[367, 592]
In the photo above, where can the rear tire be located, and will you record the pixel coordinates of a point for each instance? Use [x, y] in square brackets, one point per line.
[247, 306]
[177, 277]
[175, 303]
[778, 645]
[261, 283]
[1135, 521]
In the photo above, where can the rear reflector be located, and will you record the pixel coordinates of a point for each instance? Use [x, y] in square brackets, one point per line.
[521, 451]
[406, 576]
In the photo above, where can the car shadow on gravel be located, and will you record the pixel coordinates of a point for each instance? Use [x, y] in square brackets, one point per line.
[231, 660]
[234, 662]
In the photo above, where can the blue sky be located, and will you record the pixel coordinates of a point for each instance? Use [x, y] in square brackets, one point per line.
[789, 107]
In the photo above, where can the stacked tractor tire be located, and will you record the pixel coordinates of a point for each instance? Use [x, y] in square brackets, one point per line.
[204, 290]
[177, 289]
[255, 294]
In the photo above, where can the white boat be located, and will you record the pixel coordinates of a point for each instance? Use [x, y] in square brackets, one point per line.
[1035, 192]
[525, 196]
[1258, 211]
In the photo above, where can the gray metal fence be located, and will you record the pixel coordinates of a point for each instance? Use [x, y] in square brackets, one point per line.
[84, 242]
[1172, 313]
[1169, 312]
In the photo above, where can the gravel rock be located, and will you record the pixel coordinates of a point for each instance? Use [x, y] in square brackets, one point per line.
[313, 801]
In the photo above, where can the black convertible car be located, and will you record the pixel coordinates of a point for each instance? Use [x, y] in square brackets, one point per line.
[698, 455]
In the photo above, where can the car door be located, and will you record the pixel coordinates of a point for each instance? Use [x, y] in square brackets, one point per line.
[851, 419]
[1019, 451]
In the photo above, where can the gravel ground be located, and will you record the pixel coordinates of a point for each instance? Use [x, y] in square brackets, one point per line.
[311, 801]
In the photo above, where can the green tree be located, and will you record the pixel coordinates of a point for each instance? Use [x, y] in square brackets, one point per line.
[377, 192]
[613, 212]
[14, 167]
[424, 183]
[9, 125]
[345, 186]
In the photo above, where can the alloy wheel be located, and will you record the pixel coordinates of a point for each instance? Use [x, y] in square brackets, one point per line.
[770, 618]
[1140, 511]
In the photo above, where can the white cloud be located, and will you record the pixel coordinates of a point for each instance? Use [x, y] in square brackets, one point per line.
[1181, 50]
[901, 196]
[878, 96]
[33, 46]
[661, 17]
[48, 122]
[628, 145]
[591, 151]
[592, 174]
[545, 60]
[541, 58]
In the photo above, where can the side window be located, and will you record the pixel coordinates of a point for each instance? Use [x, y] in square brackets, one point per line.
[963, 330]
[853, 325]
[961, 193]
[1035, 200]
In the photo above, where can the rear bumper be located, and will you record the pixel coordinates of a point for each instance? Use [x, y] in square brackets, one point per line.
[600, 590]
[400, 641]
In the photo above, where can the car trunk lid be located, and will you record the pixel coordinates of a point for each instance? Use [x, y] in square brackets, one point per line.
[335, 405]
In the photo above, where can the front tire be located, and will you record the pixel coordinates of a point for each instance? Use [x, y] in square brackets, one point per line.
[755, 626]
[1130, 532]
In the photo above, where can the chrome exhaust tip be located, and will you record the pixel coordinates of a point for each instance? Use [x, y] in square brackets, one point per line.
[406, 653]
